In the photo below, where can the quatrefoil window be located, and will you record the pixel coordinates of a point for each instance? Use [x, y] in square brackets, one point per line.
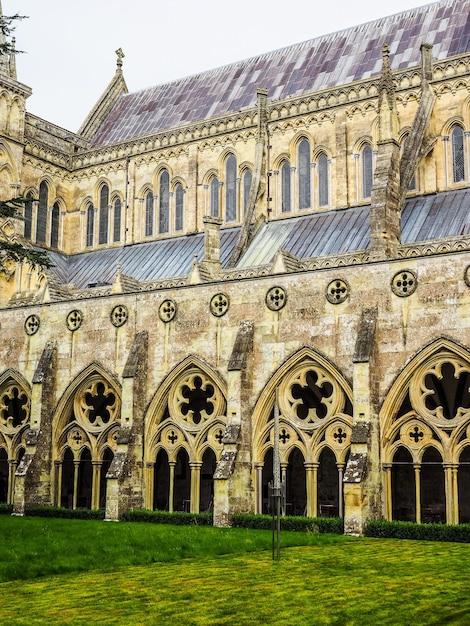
[447, 393]
[119, 315]
[198, 399]
[404, 283]
[276, 298]
[219, 304]
[14, 407]
[167, 310]
[74, 320]
[337, 291]
[312, 396]
[32, 324]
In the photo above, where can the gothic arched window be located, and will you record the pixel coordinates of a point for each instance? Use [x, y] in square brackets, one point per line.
[90, 225]
[104, 214]
[304, 174]
[285, 187]
[323, 180]
[179, 206]
[164, 213]
[247, 178]
[458, 154]
[231, 188]
[214, 194]
[366, 158]
[117, 220]
[41, 224]
[28, 216]
[55, 220]
[149, 214]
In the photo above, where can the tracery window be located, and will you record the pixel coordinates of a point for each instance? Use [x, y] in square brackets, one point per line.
[285, 187]
[304, 174]
[90, 225]
[28, 216]
[104, 214]
[55, 222]
[164, 212]
[86, 443]
[425, 440]
[15, 410]
[367, 171]
[315, 429]
[231, 188]
[458, 154]
[148, 214]
[247, 178]
[214, 196]
[184, 443]
[323, 180]
[179, 206]
[41, 222]
[117, 220]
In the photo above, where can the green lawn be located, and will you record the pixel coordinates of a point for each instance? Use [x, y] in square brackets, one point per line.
[332, 580]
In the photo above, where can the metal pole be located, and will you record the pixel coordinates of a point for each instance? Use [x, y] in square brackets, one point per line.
[277, 482]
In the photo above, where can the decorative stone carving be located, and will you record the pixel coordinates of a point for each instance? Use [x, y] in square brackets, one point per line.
[219, 304]
[167, 310]
[404, 283]
[276, 298]
[74, 320]
[32, 324]
[467, 276]
[96, 405]
[337, 291]
[119, 315]
[195, 399]
[14, 408]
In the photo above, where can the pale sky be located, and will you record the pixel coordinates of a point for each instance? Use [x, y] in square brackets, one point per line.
[70, 44]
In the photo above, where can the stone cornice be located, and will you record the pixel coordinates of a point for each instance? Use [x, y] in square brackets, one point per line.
[15, 86]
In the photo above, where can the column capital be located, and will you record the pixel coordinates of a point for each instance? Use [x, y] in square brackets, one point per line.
[311, 466]
[195, 464]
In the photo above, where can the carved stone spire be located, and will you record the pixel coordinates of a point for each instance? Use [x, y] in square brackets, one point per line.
[388, 117]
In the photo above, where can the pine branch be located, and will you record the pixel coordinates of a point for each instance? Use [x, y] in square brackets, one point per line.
[14, 251]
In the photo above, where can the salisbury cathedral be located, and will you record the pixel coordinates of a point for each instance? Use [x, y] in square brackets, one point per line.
[294, 226]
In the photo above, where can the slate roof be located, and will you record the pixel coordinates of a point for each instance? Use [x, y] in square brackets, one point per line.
[433, 217]
[323, 62]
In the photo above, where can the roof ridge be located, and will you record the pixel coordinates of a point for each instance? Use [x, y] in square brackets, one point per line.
[299, 44]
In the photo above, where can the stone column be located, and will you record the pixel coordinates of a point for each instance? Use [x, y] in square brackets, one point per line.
[76, 468]
[259, 488]
[417, 468]
[172, 465]
[95, 499]
[388, 490]
[311, 470]
[212, 243]
[449, 487]
[340, 490]
[195, 486]
[58, 483]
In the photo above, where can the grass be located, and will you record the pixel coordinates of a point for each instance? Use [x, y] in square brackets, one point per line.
[333, 580]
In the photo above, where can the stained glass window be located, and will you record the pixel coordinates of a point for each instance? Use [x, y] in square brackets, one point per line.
[247, 178]
[366, 171]
[149, 214]
[179, 206]
[164, 214]
[285, 187]
[117, 220]
[304, 175]
[323, 182]
[104, 214]
[41, 224]
[458, 155]
[231, 188]
[90, 225]
[55, 219]
[214, 189]
[28, 216]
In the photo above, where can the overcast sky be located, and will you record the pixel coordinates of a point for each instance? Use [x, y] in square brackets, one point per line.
[70, 44]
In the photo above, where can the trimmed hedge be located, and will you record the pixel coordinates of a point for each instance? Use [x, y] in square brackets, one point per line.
[5, 509]
[332, 525]
[411, 530]
[55, 511]
[165, 517]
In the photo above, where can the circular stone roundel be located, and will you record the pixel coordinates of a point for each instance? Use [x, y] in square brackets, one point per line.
[466, 276]
[337, 291]
[74, 320]
[167, 310]
[404, 283]
[276, 298]
[219, 304]
[119, 315]
[31, 325]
